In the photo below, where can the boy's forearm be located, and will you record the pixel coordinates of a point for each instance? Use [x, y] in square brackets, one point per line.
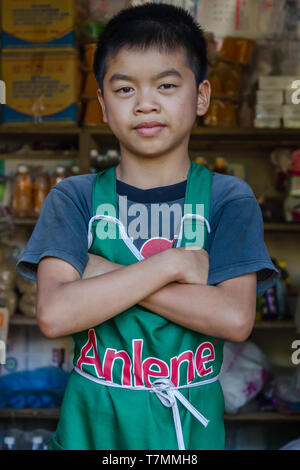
[209, 309]
[84, 303]
[206, 309]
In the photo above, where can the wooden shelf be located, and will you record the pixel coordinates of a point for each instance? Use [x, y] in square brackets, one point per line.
[275, 324]
[53, 413]
[262, 416]
[19, 319]
[238, 133]
[41, 155]
[282, 227]
[30, 413]
[24, 220]
[37, 129]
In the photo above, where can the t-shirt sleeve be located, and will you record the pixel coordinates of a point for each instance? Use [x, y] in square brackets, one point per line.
[60, 231]
[238, 247]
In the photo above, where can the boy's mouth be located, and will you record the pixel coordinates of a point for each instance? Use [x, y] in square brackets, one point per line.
[149, 128]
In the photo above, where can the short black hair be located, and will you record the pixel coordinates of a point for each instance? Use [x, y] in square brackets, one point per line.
[151, 25]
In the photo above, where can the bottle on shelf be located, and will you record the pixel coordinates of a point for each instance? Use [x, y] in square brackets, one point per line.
[9, 443]
[58, 175]
[40, 190]
[113, 156]
[37, 443]
[202, 161]
[22, 192]
[220, 166]
[75, 170]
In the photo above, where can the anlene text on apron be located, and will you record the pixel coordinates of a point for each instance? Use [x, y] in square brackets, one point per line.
[140, 381]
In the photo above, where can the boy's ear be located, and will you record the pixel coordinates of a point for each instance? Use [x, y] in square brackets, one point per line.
[101, 101]
[203, 98]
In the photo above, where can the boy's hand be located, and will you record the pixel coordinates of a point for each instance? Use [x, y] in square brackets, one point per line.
[193, 265]
[98, 265]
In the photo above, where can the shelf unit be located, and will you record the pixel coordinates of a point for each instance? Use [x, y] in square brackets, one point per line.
[202, 138]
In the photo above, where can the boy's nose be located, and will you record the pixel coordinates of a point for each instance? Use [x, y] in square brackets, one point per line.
[146, 103]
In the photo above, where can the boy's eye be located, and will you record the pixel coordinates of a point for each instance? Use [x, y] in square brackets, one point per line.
[123, 88]
[168, 85]
[128, 88]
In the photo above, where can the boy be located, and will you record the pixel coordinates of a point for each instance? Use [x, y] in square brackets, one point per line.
[148, 335]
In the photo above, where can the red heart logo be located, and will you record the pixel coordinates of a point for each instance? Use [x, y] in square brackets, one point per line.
[156, 245]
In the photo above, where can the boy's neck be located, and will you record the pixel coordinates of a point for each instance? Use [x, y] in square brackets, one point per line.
[148, 178]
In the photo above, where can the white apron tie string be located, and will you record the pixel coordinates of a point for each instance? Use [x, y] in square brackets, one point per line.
[168, 398]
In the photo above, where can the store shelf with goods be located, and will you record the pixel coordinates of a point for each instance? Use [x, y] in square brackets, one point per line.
[38, 129]
[41, 155]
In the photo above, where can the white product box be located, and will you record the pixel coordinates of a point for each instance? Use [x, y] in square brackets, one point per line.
[269, 96]
[291, 123]
[263, 111]
[291, 111]
[267, 122]
[276, 82]
[292, 96]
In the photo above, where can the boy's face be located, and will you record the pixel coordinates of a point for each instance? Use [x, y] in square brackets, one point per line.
[142, 97]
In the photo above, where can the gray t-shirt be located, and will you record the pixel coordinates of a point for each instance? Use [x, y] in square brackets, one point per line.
[235, 243]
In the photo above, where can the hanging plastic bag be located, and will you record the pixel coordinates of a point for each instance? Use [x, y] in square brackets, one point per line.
[243, 374]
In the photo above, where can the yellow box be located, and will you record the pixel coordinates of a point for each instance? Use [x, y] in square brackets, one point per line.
[41, 87]
[38, 24]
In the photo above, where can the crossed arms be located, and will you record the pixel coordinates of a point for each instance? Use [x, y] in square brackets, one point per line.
[171, 283]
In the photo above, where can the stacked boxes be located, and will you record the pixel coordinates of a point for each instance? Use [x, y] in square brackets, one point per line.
[38, 24]
[276, 103]
[39, 62]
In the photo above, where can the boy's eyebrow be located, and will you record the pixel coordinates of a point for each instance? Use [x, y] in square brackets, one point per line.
[165, 73]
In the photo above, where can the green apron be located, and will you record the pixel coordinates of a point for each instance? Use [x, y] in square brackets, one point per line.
[140, 381]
